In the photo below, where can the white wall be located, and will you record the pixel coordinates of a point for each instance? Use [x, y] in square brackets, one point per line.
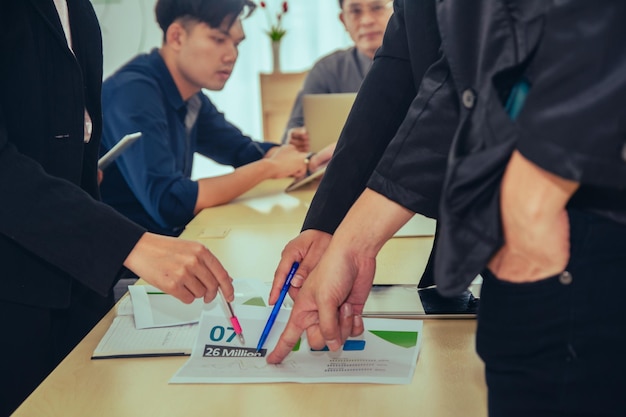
[314, 29]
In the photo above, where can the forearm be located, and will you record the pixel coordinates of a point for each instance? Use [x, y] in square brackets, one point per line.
[372, 221]
[271, 152]
[222, 189]
[533, 193]
[535, 224]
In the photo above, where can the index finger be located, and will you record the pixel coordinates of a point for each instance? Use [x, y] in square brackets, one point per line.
[283, 268]
[289, 337]
[217, 272]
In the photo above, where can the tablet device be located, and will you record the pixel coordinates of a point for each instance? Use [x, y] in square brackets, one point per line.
[299, 182]
[407, 301]
[117, 150]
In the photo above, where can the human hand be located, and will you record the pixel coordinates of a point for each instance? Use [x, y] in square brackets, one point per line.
[307, 248]
[299, 137]
[329, 304]
[321, 158]
[331, 300]
[288, 162]
[187, 270]
[534, 221]
[523, 259]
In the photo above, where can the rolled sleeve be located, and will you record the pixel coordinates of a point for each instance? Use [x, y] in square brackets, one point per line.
[223, 142]
[572, 123]
[412, 169]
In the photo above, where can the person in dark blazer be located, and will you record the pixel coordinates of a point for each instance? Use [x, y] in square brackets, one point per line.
[61, 249]
[513, 138]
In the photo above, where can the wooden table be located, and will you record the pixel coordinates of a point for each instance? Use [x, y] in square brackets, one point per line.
[448, 379]
[260, 223]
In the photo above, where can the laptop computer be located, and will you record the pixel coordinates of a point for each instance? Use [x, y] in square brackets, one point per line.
[324, 117]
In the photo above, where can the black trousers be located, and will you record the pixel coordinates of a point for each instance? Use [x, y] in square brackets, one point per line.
[35, 340]
[557, 347]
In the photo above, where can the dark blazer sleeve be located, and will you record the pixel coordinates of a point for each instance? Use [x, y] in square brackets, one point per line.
[410, 47]
[60, 223]
[52, 231]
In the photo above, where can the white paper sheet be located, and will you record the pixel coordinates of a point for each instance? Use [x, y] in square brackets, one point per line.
[153, 308]
[123, 340]
[158, 336]
[386, 353]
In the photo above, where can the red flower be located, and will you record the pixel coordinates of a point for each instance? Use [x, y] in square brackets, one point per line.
[276, 30]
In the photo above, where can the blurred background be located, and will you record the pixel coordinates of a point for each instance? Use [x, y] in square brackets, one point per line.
[313, 30]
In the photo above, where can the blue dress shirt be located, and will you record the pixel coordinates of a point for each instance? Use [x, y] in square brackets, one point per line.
[150, 182]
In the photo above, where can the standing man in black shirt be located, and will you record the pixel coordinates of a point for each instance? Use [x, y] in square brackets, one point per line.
[513, 137]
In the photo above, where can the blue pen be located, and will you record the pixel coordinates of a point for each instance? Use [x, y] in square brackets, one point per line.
[276, 309]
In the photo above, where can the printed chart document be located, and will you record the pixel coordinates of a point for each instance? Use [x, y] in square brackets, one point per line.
[154, 308]
[386, 353]
[169, 326]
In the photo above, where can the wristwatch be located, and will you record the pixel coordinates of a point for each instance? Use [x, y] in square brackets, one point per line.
[307, 162]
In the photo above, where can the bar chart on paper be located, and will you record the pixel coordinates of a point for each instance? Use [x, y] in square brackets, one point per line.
[386, 353]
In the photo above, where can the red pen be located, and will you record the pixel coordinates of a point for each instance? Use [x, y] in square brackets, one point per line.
[233, 319]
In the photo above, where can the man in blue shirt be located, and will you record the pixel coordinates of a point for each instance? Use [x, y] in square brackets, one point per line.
[159, 94]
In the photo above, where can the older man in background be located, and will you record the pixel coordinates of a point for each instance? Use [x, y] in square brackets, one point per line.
[342, 71]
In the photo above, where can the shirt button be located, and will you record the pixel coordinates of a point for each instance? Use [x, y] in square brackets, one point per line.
[469, 98]
[565, 278]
